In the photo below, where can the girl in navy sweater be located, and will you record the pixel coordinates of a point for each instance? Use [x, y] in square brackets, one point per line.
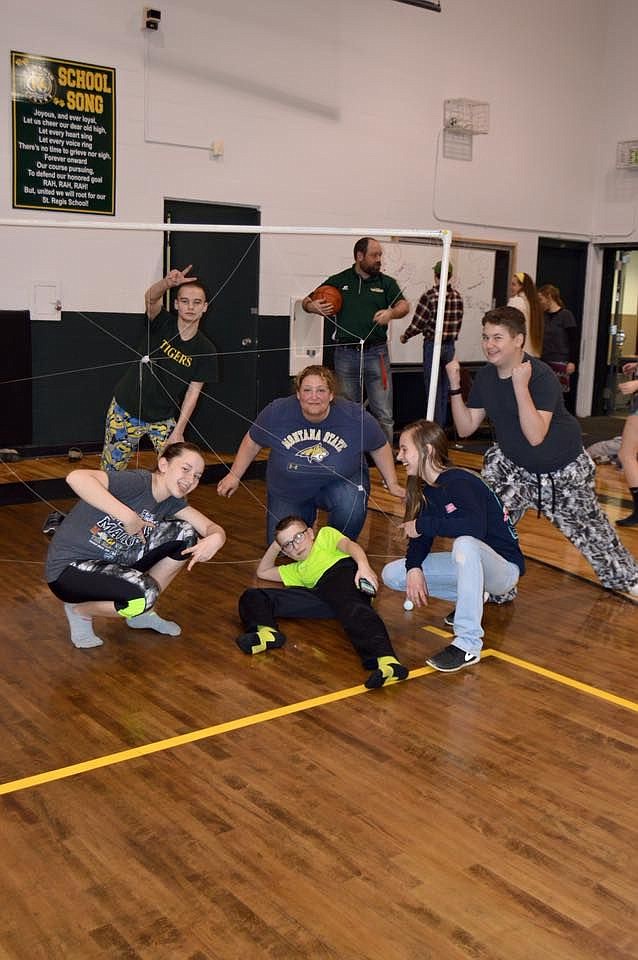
[446, 501]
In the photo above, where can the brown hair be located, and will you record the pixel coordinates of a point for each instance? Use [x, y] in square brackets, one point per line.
[361, 246]
[287, 521]
[314, 370]
[552, 293]
[174, 450]
[536, 313]
[424, 434]
[191, 283]
[509, 317]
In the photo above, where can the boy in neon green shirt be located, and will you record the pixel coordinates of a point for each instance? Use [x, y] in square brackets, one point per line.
[322, 582]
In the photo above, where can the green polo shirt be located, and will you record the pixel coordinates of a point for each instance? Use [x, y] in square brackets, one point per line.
[362, 297]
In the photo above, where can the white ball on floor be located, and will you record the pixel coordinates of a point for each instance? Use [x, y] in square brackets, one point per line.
[408, 605]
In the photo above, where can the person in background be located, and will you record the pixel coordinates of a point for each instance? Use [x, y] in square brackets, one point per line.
[628, 453]
[560, 336]
[525, 298]
[371, 299]
[424, 321]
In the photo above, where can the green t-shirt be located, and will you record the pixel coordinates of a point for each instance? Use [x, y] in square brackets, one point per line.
[324, 554]
[362, 297]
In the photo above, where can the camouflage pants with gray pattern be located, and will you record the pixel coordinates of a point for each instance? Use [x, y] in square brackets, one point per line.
[567, 498]
[128, 578]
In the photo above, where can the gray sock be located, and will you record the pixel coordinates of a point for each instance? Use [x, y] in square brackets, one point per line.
[152, 621]
[81, 629]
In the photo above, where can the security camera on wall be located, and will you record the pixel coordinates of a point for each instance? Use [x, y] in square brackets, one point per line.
[152, 18]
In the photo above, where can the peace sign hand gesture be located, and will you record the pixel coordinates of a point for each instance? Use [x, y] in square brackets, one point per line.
[175, 277]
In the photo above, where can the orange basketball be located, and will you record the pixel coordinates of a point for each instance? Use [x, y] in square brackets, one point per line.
[331, 294]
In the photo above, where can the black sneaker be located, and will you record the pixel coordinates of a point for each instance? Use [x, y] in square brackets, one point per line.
[451, 659]
[52, 523]
[448, 620]
[630, 521]
[8, 455]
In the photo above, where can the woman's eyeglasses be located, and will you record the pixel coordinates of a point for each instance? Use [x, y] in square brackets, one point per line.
[296, 540]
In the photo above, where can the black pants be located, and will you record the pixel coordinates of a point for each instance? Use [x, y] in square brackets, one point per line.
[334, 596]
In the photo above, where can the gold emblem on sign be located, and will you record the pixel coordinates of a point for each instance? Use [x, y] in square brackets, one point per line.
[35, 82]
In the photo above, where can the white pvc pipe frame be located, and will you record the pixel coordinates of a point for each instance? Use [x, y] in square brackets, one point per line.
[444, 235]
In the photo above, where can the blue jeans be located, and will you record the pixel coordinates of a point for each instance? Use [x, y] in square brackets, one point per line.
[377, 378]
[344, 502]
[443, 386]
[463, 575]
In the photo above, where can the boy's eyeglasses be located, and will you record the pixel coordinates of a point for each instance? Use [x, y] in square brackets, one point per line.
[296, 540]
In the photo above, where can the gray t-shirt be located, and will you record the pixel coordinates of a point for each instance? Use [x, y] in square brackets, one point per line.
[563, 442]
[91, 534]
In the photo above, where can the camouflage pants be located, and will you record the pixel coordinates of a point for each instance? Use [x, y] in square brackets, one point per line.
[567, 498]
[123, 433]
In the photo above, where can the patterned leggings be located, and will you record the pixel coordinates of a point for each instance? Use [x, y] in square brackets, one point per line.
[126, 583]
[567, 498]
[123, 433]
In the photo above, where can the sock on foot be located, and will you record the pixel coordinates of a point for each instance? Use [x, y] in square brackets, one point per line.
[261, 639]
[152, 621]
[82, 635]
[389, 670]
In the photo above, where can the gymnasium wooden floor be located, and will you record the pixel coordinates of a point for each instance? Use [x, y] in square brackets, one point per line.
[173, 798]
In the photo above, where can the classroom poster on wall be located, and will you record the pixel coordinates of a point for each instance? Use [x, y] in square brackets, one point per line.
[63, 135]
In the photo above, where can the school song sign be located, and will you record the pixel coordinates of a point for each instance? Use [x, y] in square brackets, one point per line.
[63, 135]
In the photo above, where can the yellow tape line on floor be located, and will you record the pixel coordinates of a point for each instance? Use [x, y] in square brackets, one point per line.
[229, 726]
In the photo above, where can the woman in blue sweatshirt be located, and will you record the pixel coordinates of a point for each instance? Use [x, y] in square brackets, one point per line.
[445, 501]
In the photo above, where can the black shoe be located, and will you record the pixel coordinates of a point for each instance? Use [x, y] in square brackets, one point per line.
[8, 455]
[451, 659]
[448, 619]
[52, 523]
[630, 521]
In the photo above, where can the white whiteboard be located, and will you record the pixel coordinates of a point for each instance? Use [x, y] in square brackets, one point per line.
[411, 265]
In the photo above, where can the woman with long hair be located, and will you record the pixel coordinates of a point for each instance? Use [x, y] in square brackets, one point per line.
[125, 541]
[525, 298]
[445, 501]
[560, 335]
